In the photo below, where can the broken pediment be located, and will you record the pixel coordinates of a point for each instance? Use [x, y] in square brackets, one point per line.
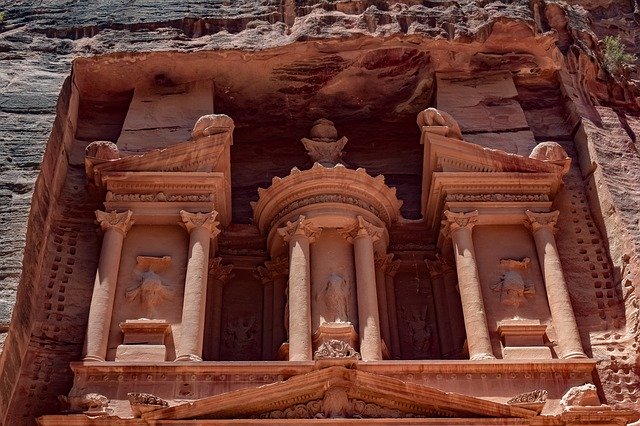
[462, 176]
[338, 392]
[156, 185]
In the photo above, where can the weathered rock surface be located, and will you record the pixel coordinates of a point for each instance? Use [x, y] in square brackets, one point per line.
[368, 66]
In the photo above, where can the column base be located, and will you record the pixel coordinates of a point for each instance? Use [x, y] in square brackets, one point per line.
[575, 355]
[480, 357]
[188, 358]
[93, 358]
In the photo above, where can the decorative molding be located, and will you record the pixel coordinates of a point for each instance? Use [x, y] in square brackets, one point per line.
[533, 397]
[536, 221]
[325, 198]
[455, 221]
[160, 197]
[208, 221]
[361, 228]
[496, 197]
[300, 227]
[218, 271]
[122, 222]
[336, 349]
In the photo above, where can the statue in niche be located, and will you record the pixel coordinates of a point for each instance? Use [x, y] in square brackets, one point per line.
[514, 290]
[419, 329]
[335, 296]
[151, 291]
[240, 335]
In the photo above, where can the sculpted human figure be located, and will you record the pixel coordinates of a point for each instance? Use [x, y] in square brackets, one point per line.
[335, 295]
[435, 117]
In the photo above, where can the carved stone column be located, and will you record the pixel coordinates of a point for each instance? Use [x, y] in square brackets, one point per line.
[219, 276]
[202, 228]
[458, 226]
[275, 274]
[115, 227]
[389, 275]
[436, 271]
[382, 261]
[363, 235]
[299, 234]
[542, 225]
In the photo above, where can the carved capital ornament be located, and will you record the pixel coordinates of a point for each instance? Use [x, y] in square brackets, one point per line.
[278, 267]
[218, 271]
[537, 221]
[457, 221]
[300, 227]
[208, 221]
[362, 228]
[121, 222]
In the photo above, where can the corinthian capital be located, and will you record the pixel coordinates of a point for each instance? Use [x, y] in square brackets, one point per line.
[455, 221]
[208, 221]
[121, 222]
[383, 261]
[361, 228]
[536, 221]
[437, 267]
[300, 227]
[218, 271]
[278, 267]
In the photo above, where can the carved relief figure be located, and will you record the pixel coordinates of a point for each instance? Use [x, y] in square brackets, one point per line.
[151, 291]
[419, 329]
[240, 335]
[335, 296]
[514, 290]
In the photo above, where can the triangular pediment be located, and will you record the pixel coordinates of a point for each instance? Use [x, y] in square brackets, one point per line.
[339, 392]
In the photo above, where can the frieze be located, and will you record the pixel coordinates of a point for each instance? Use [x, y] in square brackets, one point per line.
[325, 198]
[533, 397]
[160, 197]
[496, 197]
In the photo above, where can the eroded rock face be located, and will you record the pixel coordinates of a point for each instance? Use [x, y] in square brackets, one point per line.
[368, 66]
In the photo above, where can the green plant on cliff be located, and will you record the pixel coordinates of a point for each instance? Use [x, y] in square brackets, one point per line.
[615, 56]
[1, 17]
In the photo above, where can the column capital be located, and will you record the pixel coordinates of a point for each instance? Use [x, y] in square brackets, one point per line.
[122, 222]
[300, 227]
[455, 221]
[437, 267]
[208, 221]
[218, 271]
[383, 261]
[278, 267]
[361, 228]
[393, 268]
[536, 221]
